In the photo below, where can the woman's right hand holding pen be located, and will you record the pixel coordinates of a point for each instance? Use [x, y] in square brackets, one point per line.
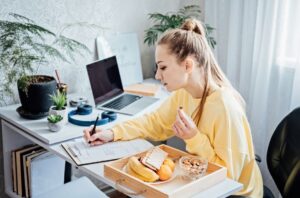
[100, 136]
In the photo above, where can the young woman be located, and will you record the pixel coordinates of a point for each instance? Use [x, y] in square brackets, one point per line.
[204, 109]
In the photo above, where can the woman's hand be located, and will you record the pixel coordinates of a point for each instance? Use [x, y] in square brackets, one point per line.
[184, 127]
[100, 136]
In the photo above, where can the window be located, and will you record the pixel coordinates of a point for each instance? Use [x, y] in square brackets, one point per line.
[288, 37]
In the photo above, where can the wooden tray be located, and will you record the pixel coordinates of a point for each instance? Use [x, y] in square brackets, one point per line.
[176, 188]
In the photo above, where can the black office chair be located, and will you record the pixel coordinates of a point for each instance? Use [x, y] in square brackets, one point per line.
[283, 156]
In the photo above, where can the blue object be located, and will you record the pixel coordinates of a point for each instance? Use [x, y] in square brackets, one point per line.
[106, 116]
[84, 109]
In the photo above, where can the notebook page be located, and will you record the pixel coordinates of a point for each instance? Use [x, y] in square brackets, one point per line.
[85, 153]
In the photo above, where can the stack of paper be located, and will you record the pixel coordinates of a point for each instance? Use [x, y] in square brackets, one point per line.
[19, 175]
[34, 171]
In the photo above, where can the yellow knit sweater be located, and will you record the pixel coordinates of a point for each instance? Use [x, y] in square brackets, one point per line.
[224, 135]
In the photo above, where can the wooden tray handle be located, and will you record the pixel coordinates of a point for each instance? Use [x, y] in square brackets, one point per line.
[122, 189]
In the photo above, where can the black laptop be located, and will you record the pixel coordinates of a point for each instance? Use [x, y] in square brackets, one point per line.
[108, 90]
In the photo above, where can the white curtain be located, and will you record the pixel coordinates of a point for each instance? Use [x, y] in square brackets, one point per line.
[258, 47]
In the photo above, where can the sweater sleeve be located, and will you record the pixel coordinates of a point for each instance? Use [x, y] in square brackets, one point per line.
[155, 126]
[228, 145]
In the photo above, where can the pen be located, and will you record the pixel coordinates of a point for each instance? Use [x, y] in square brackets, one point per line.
[57, 76]
[93, 131]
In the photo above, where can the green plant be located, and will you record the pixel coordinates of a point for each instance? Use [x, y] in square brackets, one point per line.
[59, 100]
[25, 46]
[163, 22]
[54, 118]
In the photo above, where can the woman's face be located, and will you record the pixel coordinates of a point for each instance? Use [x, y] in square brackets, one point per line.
[172, 74]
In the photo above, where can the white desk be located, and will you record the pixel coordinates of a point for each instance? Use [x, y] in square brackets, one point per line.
[17, 132]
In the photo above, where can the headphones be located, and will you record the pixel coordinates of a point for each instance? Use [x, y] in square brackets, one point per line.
[106, 116]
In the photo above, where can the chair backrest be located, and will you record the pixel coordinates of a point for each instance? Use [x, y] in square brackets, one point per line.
[283, 156]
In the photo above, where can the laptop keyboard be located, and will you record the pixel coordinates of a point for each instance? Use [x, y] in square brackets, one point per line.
[121, 102]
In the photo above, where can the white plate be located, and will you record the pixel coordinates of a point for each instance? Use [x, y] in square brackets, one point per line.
[156, 182]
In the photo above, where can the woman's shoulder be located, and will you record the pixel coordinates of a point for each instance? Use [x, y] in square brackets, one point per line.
[223, 99]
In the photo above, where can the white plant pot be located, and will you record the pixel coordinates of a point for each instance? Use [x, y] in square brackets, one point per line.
[62, 113]
[54, 127]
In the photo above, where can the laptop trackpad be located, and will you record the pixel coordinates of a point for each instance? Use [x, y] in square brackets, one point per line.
[139, 105]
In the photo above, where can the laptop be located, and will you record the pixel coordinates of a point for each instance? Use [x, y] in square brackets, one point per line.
[108, 90]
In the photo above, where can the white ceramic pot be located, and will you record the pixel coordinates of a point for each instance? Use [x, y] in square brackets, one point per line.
[54, 127]
[62, 113]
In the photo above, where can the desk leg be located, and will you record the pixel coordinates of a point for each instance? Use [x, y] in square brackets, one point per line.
[68, 172]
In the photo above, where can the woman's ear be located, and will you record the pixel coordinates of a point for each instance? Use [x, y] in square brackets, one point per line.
[189, 64]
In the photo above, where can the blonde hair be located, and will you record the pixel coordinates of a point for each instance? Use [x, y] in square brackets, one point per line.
[190, 39]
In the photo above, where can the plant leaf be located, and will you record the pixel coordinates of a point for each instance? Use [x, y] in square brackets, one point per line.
[24, 46]
[162, 22]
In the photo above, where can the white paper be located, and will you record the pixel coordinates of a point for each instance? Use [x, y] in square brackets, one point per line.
[47, 173]
[126, 48]
[86, 154]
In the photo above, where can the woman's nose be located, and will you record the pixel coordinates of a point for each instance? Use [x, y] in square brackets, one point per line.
[157, 74]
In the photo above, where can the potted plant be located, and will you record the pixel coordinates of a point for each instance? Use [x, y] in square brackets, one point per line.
[34, 93]
[163, 22]
[55, 122]
[59, 101]
[24, 47]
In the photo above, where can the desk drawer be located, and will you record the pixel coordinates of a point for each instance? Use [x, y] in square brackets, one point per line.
[175, 188]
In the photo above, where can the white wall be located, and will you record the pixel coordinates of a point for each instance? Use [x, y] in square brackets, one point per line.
[114, 15]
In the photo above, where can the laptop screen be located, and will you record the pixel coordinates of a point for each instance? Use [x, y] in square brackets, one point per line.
[105, 79]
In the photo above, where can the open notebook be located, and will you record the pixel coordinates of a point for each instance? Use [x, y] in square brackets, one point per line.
[82, 153]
